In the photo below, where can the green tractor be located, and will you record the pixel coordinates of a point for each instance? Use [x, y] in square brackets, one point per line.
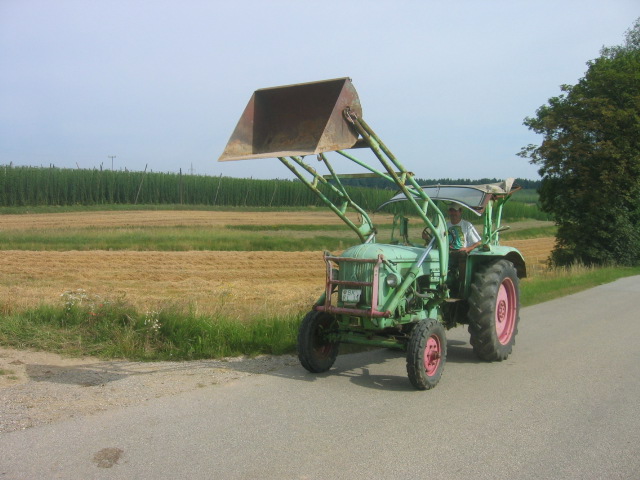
[401, 294]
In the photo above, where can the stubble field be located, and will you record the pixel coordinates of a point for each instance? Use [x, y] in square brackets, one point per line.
[237, 284]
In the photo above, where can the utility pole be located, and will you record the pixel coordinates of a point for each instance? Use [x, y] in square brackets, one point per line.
[111, 157]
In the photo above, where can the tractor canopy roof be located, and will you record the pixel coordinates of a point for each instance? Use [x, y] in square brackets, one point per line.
[472, 197]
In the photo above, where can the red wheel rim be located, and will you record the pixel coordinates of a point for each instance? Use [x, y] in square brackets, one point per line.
[432, 355]
[322, 350]
[321, 346]
[506, 311]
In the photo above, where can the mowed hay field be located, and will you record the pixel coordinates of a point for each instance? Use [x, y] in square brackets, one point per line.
[240, 285]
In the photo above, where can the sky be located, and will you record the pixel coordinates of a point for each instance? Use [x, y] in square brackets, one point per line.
[161, 84]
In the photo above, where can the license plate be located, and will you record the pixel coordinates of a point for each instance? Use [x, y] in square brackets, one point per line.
[350, 295]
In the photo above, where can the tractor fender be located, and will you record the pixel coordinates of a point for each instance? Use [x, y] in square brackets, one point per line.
[479, 257]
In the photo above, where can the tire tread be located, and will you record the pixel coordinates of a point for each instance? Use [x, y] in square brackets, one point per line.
[484, 288]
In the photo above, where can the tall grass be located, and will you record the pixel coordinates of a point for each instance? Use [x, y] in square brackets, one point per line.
[116, 330]
[514, 210]
[558, 282]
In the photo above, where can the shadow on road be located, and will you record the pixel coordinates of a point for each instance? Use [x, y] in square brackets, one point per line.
[460, 352]
[371, 369]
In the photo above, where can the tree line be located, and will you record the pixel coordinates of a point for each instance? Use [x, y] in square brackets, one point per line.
[589, 159]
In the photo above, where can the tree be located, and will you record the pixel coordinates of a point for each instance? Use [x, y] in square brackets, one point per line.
[590, 159]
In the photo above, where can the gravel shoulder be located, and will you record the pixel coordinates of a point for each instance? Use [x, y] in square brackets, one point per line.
[38, 387]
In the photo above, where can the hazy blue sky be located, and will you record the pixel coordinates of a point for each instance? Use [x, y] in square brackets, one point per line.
[446, 85]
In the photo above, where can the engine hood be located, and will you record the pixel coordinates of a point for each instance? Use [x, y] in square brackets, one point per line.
[392, 253]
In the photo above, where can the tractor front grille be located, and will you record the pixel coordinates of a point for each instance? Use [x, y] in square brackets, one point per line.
[360, 273]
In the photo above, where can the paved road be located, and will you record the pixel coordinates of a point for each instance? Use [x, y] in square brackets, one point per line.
[565, 405]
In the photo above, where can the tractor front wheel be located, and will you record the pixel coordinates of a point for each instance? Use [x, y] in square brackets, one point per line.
[494, 311]
[426, 354]
[315, 351]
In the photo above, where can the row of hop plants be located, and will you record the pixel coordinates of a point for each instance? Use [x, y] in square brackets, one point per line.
[37, 186]
[42, 186]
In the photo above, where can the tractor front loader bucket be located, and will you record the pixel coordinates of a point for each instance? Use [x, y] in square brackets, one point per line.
[295, 120]
[292, 121]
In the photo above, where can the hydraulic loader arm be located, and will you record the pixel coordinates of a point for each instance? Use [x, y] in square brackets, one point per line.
[293, 121]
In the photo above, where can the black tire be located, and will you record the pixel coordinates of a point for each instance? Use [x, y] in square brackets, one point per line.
[426, 354]
[494, 311]
[315, 352]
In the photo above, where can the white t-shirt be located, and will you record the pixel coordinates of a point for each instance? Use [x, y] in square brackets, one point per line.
[463, 234]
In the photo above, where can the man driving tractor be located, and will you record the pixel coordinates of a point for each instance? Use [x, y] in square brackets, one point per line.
[463, 236]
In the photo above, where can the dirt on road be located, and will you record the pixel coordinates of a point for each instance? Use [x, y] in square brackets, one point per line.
[38, 387]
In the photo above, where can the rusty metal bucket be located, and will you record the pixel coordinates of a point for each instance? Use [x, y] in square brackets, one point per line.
[302, 119]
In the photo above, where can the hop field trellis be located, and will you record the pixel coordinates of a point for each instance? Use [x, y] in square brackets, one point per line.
[36, 186]
[52, 186]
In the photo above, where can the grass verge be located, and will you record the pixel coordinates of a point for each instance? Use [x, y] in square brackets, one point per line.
[176, 239]
[285, 238]
[565, 281]
[117, 330]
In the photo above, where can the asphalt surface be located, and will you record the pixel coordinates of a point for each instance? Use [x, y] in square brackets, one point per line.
[565, 405]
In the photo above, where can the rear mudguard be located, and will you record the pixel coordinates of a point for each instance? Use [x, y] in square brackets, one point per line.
[479, 257]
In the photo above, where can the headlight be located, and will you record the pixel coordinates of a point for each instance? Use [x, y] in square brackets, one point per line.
[393, 280]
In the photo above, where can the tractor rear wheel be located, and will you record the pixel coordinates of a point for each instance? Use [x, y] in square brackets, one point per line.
[494, 311]
[426, 354]
[315, 352]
